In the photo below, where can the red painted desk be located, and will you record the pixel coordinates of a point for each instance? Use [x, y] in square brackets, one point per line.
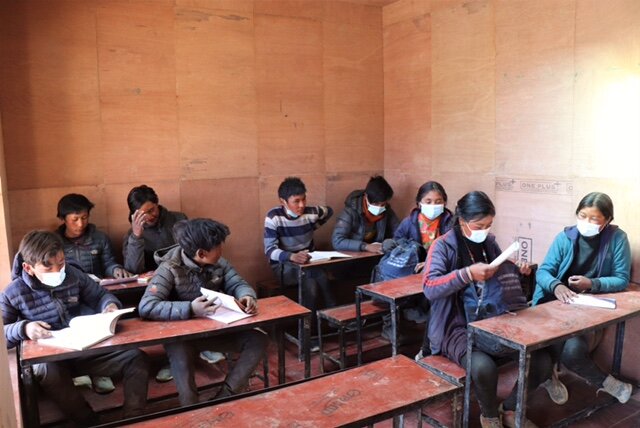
[540, 326]
[136, 333]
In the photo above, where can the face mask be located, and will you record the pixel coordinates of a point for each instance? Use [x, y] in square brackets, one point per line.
[587, 229]
[375, 210]
[53, 279]
[478, 236]
[291, 213]
[431, 211]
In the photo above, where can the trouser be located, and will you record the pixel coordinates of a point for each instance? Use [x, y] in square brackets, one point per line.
[484, 375]
[55, 379]
[574, 354]
[250, 344]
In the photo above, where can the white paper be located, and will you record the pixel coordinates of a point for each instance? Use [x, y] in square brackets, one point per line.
[505, 254]
[228, 311]
[591, 300]
[326, 255]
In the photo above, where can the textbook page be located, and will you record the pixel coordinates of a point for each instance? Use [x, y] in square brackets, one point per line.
[505, 254]
[86, 330]
[228, 310]
[326, 255]
[591, 300]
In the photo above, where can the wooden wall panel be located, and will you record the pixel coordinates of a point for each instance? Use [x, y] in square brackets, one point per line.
[462, 84]
[245, 6]
[49, 93]
[404, 10]
[290, 94]
[138, 91]
[216, 93]
[534, 87]
[5, 221]
[289, 8]
[353, 91]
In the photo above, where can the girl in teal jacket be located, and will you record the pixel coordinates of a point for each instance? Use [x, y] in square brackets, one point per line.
[593, 256]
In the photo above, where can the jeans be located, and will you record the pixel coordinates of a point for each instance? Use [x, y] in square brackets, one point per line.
[574, 354]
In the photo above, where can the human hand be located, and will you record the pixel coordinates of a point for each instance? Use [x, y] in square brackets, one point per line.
[563, 293]
[37, 330]
[482, 271]
[201, 307]
[248, 304]
[121, 273]
[579, 283]
[525, 268]
[301, 257]
[138, 219]
[374, 247]
[419, 267]
[111, 307]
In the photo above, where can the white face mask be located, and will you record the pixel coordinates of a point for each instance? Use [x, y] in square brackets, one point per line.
[53, 279]
[375, 210]
[587, 229]
[291, 213]
[431, 211]
[478, 236]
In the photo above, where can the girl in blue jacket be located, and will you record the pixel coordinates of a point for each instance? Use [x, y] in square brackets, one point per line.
[592, 256]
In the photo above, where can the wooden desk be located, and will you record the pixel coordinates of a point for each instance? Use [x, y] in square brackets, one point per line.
[394, 292]
[355, 397]
[136, 333]
[540, 326]
[356, 257]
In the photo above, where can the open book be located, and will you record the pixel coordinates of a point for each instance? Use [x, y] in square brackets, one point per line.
[505, 254]
[591, 300]
[86, 330]
[228, 311]
[317, 256]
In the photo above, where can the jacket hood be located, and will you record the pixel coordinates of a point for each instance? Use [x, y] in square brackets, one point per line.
[606, 234]
[168, 253]
[354, 200]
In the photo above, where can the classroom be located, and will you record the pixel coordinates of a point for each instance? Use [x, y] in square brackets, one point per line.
[214, 102]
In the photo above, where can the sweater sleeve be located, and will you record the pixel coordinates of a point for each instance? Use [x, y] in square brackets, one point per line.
[133, 253]
[340, 238]
[441, 278]
[155, 303]
[272, 242]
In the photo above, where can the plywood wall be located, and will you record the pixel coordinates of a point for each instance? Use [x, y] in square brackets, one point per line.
[534, 102]
[211, 102]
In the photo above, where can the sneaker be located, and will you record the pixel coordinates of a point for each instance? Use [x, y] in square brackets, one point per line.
[82, 381]
[102, 384]
[164, 374]
[490, 422]
[314, 345]
[509, 419]
[556, 389]
[419, 356]
[617, 388]
[212, 357]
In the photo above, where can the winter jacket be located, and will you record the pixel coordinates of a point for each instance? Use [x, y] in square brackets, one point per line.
[26, 299]
[613, 263]
[138, 252]
[349, 231]
[444, 283]
[92, 251]
[410, 228]
[177, 282]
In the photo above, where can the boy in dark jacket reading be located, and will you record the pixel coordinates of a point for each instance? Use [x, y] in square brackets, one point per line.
[45, 295]
[174, 294]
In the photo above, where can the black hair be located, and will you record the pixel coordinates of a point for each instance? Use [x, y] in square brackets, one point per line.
[199, 234]
[601, 201]
[138, 196]
[291, 186]
[378, 190]
[73, 203]
[428, 187]
[38, 246]
[474, 206]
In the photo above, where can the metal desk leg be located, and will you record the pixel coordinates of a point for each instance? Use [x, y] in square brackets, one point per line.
[30, 411]
[467, 383]
[617, 350]
[306, 333]
[394, 329]
[524, 361]
[279, 335]
[359, 325]
[300, 323]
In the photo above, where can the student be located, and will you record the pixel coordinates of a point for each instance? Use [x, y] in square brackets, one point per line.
[288, 237]
[592, 256]
[457, 260]
[44, 295]
[91, 249]
[151, 229]
[367, 218]
[174, 294]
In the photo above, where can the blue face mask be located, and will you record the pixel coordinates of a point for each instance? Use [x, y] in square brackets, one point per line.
[53, 279]
[375, 210]
[431, 211]
[291, 213]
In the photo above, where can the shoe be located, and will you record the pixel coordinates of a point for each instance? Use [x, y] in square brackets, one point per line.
[419, 356]
[490, 422]
[556, 389]
[82, 381]
[509, 419]
[224, 391]
[617, 388]
[103, 384]
[212, 357]
[164, 374]
[314, 345]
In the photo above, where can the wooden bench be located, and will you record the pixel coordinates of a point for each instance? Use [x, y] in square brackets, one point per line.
[452, 372]
[354, 397]
[340, 317]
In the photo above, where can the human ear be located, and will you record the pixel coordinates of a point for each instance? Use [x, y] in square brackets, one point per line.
[27, 268]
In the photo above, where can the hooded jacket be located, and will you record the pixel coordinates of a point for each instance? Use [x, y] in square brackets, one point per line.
[348, 233]
[410, 228]
[26, 299]
[177, 282]
[92, 251]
